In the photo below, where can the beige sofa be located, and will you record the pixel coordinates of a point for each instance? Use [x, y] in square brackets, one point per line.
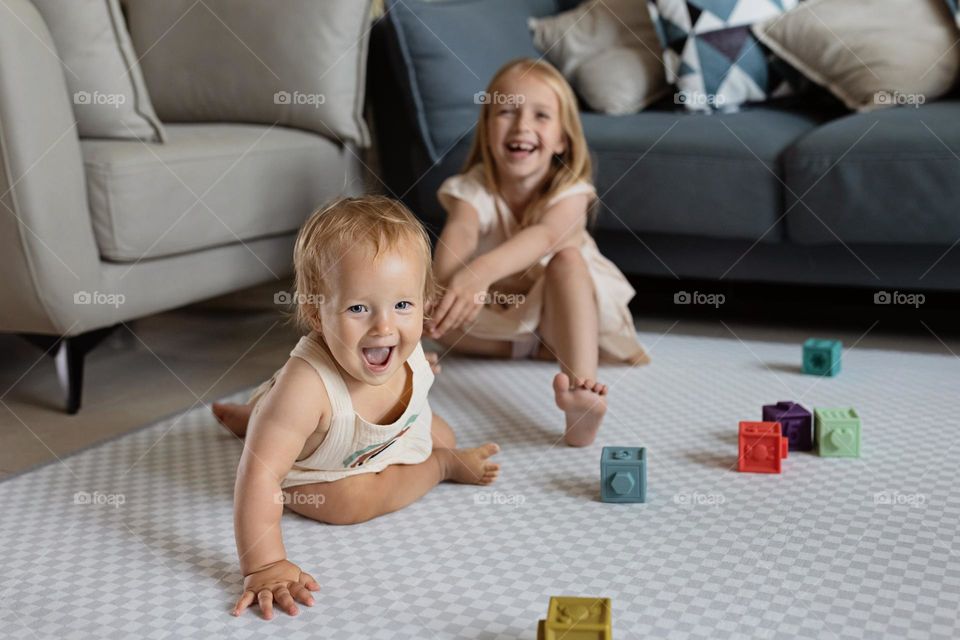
[96, 232]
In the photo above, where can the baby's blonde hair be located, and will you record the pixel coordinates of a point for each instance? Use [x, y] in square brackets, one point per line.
[570, 167]
[378, 222]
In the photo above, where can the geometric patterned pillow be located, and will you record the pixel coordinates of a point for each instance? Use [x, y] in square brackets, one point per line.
[712, 56]
[955, 10]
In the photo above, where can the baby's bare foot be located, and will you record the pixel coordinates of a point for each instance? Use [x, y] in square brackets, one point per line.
[584, 406]
[470, 466]
[234, 417]
[433, 359]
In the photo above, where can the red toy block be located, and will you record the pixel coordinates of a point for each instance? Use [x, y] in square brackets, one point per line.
[762, 446]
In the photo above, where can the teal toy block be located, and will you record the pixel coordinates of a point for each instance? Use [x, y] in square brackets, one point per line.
[822, 357]
[623, 474]
[837, 432]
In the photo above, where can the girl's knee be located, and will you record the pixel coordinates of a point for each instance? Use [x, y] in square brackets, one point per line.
[565, 262]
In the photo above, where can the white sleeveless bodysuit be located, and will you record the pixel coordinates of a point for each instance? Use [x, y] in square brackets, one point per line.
[353, 445]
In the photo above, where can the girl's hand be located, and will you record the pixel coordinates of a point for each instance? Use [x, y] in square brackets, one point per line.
[464, 298]
[281, 582]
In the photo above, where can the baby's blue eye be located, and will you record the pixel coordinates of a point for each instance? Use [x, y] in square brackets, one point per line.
[404, 305]
[357, 308]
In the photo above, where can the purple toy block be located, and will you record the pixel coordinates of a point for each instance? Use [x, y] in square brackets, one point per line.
[796, 422]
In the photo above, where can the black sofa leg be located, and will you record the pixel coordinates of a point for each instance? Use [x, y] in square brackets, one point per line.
[68, 353]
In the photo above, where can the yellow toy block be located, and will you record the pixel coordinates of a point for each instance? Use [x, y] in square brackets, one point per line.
[577, 619]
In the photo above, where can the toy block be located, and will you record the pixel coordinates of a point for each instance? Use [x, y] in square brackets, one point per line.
[623, 474]
[837, 432]
[762, 446]
[796, 423]
[577, 619]
[822, 357]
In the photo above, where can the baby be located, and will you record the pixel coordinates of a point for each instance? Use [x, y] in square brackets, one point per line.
[343, 432]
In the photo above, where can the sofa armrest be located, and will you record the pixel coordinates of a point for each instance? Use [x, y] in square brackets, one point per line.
[47, 247]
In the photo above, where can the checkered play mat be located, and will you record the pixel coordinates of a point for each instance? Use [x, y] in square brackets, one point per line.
[832, 548]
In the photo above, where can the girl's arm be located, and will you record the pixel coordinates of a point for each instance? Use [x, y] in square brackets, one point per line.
[466, 290]
[280, 425]
[458, 240]
[559, 224]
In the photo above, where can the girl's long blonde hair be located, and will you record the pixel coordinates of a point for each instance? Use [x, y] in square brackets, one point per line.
[566, 169]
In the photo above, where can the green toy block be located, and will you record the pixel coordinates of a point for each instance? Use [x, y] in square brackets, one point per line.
[571, 618]
[837, 432]
[822, 357]
[623, 474]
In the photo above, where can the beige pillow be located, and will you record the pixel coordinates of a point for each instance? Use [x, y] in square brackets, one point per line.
[609, 51]
[869, 53]
[297, 63]
[107, 90]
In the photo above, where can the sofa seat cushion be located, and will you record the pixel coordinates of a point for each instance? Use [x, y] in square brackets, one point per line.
[692, 174]
[889, 176]
[208, 185]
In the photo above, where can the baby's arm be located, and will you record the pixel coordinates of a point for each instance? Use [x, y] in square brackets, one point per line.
[279, 427]
[556, 228]
[458, 240]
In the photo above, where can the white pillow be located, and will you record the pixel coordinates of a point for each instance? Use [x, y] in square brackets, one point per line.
[109, 95]
[900, 52]
[610, 52]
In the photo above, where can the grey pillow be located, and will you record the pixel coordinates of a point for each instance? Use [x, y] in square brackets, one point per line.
[610, 52]
[298, 63]
[109, 95]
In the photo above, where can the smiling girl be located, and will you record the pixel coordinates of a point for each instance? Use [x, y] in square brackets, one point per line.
[523, 276]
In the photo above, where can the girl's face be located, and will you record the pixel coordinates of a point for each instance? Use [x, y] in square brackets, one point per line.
[373, 318]
[524, 127]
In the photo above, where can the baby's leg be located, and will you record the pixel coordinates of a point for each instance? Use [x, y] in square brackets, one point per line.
[236, 417]
[570, 327]
[368, 495]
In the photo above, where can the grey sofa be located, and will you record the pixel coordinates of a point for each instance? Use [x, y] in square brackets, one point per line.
[96, 232]
[798, 192]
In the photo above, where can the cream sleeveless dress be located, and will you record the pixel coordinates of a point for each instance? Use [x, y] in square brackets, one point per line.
[517, 322]
[353, 445]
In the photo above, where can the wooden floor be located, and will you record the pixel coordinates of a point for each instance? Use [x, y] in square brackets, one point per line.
[168, 363]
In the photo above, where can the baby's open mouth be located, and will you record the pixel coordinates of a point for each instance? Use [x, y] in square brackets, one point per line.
[377, 356]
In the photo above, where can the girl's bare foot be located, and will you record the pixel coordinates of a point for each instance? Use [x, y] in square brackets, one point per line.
[234, 417]
[470, 466]
[433, 358]
[584, 406]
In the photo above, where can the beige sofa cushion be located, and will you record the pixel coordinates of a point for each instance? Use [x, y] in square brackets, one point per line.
[608, 50]
[298, 63]
[870, 55]
[106, 86]
[211, 184]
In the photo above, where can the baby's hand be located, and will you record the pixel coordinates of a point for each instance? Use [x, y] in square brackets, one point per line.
[281, 582]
